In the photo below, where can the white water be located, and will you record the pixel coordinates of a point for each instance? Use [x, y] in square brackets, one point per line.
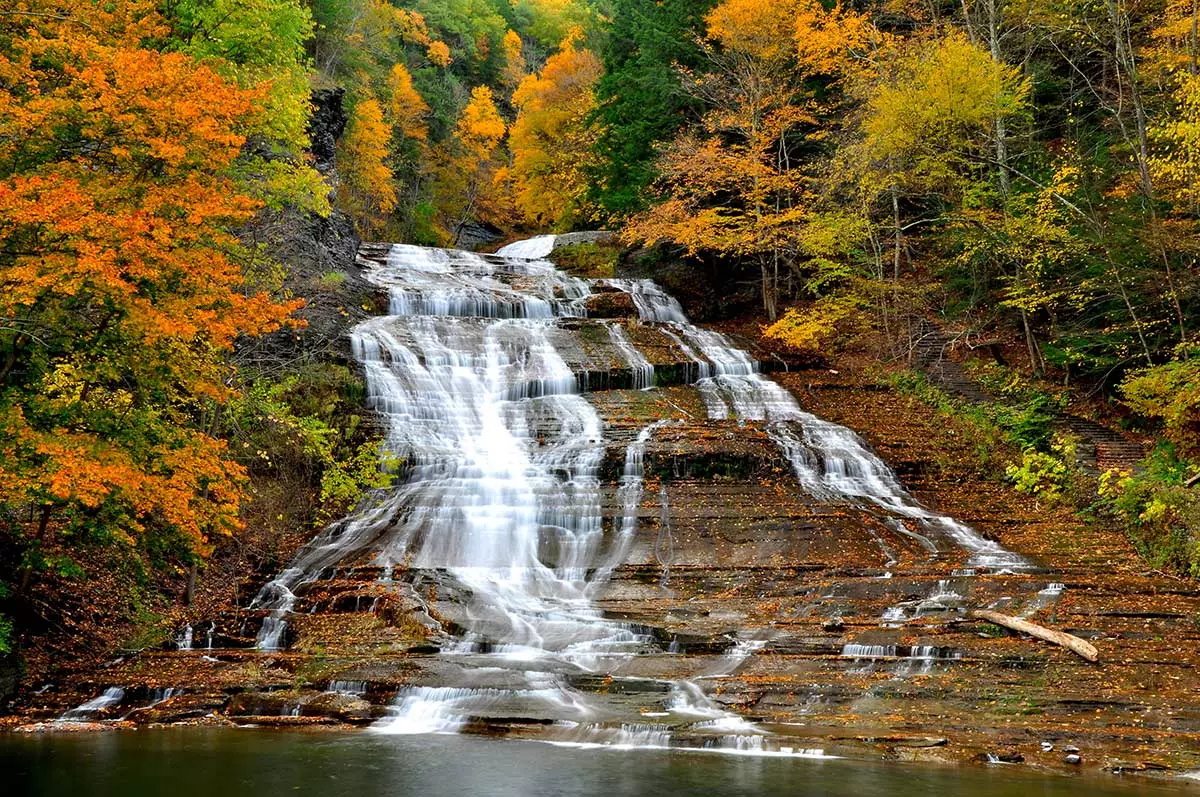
[530, 249]
[500, 491]
[89, 710]
[831, 461]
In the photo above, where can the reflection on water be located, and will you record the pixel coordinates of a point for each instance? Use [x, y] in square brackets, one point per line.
[229, 763]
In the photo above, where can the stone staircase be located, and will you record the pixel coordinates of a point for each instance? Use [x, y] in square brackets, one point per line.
[1102, 449]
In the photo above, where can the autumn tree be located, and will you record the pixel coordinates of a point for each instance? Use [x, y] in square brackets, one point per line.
[366, 187]
[467, 172]
[122, 284]
[736, 187]
[551, 137]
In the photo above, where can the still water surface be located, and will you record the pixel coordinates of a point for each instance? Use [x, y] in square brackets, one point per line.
[237, 763]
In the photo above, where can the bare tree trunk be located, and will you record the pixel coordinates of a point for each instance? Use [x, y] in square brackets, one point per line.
[899, 240]
[1079, 647]
[1035, 352]
[770, 304]
[994, 15]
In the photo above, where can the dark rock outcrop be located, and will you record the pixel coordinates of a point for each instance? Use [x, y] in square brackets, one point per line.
[325, 127]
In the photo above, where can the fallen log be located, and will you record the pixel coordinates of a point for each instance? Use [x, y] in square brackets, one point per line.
[1078, 646]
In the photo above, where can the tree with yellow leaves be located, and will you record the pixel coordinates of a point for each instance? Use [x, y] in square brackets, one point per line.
[552, 138]
[463, 188]
[738, 188]
[409, 109]
[515, 67]
[366, 187]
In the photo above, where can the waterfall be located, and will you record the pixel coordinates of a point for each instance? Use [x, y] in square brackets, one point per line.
[831, 462]
[94, 707]
[531, 249]
[500, 495]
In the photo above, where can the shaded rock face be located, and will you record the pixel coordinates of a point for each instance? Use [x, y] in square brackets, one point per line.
[325, 127]
[10, 678]
[745, 608]
[474, 235]
[318, 254]
[707, 292]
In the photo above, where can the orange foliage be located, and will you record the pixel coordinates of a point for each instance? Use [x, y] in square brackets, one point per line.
[119, 280]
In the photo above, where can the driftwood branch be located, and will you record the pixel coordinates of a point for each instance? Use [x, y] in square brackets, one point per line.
[1072, 643]
[1192, 481]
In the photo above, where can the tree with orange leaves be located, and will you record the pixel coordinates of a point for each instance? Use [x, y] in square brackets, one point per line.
[737, 187]
[121, 284]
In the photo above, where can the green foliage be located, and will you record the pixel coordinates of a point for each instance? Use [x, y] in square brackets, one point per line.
[1028, 413]
[306, 426]
[1160, 514]
[255, 43]
[589, 260]
[639, 96]
[7, 637]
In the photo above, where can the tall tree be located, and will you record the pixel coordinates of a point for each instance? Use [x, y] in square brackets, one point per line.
[639, 98]
[552, 137]
[122, 285]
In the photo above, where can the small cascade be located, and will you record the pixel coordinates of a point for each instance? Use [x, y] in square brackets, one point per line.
[356, 688]
[87, 712]
[427, 709]
[154, 698]
[664, 544]
[855, 651]
[639, 366]
[914, 660]
[184, 640]
[1045, 599]
[534, 248]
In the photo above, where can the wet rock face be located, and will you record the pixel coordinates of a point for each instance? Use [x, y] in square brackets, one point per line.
[611, 304]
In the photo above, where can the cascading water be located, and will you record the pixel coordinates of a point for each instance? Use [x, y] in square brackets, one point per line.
[831, 462]
[501, 494]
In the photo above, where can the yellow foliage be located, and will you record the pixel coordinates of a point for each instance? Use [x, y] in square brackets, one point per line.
[464, 187]
[810, 329]
[409, 109]
[367, 187]
[480, 129]
[551, 137]
[514, 60]
[1175, 141]
[438, 53]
